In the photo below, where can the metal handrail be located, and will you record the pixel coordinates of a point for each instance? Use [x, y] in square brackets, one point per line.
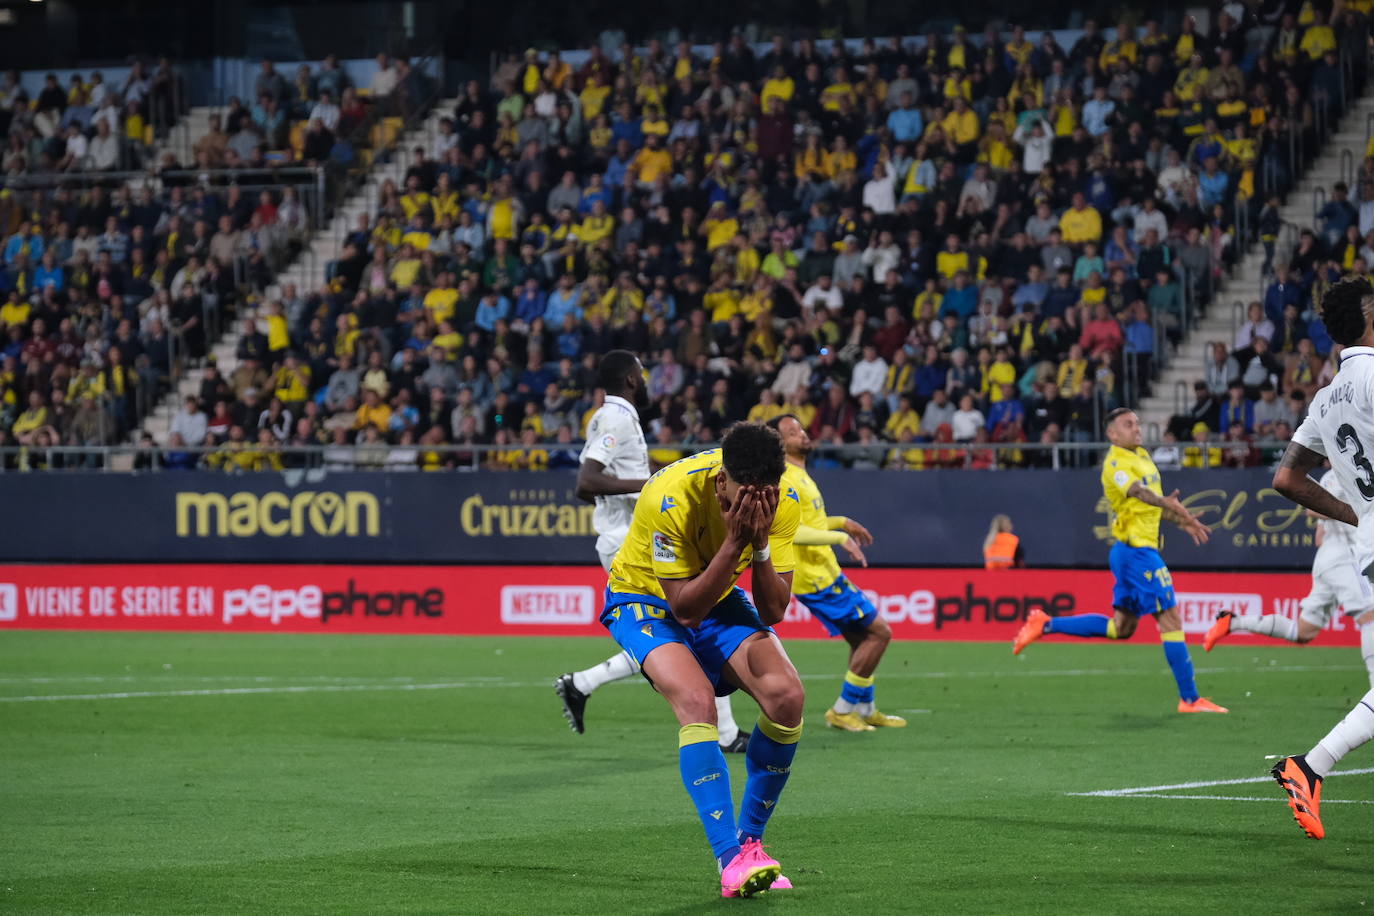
[33, 180]
[1347, 167]
[119, 458]
[1318, 201]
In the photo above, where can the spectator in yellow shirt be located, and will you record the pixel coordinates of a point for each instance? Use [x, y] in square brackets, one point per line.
[651, 162]
[778, 86]
[926, 307]
[767, 408]
[1072, 370]
[811, 159]
[373, 411]
[840, 159]
[557, 72]
[415, 201]
[961, 125]
[904, 420]
[841, 90]
[405, 268]
[1317, 40]
[1124, 48]
[1081, 223]
[291, 384]
[596, 225]
[721, 301]
[952, 259]
[719, 227]
[593, 97]
[15, 311]
[441, 301]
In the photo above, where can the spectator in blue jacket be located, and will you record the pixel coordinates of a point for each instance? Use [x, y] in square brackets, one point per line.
[1238, 410]
[1284, 291]
[906, 122]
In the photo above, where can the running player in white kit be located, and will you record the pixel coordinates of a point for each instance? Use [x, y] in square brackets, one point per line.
[1339, 427]
[1336, 583]
[615, 467]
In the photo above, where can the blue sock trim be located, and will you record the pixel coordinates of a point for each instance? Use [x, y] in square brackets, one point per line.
[1088, 626]
[1181, 663]
[856, 695]
[768, 764]
[706, 777]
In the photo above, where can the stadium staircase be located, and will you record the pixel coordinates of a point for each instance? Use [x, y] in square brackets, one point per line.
[306, 270]
[1173, 390]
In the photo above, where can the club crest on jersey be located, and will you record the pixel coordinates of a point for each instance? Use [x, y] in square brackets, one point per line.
[663, 549]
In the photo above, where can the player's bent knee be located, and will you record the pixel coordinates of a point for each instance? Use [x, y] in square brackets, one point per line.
[782, 699]
[694, 705]
[879, 631]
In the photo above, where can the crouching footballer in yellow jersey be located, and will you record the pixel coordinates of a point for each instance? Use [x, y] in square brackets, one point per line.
[673, 604]
[1143, 587]
[827, 593]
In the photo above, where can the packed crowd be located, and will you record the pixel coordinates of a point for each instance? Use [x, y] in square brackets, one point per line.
[912, 248]
[311, 117]
[88, 125]
[1256, 387]
[108, 292]
[106, 296]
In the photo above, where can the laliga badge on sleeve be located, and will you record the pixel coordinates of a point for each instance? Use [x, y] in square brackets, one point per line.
[663, 549]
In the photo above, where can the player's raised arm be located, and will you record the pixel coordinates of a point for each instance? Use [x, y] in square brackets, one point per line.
[1174, 511]
[692, 599]
[1292, 480]
[772, 590]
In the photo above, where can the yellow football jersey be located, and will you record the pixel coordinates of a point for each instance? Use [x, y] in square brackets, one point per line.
[817, 569]
[1134, 523]
[678, 527]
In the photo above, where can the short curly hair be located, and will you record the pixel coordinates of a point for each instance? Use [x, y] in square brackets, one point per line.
[1343, 309]
[752, 454]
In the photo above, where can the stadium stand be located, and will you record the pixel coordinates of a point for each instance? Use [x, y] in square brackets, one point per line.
[916, 247]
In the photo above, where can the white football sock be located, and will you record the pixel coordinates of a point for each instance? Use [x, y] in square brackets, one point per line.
[1279, 626]
[865, 709]
[1367, 649]
[612, 669]
[725, 721]
[843, 706]
[1355, 729]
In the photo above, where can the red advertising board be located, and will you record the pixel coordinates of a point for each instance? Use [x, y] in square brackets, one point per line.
[563, 600]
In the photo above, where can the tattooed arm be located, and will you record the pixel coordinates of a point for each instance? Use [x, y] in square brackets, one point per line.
[1292, 481]
[1173, 510]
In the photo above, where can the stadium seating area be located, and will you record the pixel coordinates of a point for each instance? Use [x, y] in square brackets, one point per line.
[88, 125]
[911, 247]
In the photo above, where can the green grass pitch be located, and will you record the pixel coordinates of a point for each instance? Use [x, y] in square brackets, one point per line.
[318, 774]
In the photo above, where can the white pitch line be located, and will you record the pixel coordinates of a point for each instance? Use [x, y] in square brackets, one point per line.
[1245, 798]
[241, 691]
[326, 684]
[1143, 790]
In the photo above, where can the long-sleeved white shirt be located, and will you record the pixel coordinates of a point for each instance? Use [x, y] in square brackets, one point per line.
[869, 375]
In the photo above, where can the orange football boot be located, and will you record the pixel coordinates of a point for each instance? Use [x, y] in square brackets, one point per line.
[1030, 631]
[1217, 630]
[1304, 790]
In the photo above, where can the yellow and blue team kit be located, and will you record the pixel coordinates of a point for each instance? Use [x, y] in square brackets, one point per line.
[676, 529]
[818, 582]
[1143, 583]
